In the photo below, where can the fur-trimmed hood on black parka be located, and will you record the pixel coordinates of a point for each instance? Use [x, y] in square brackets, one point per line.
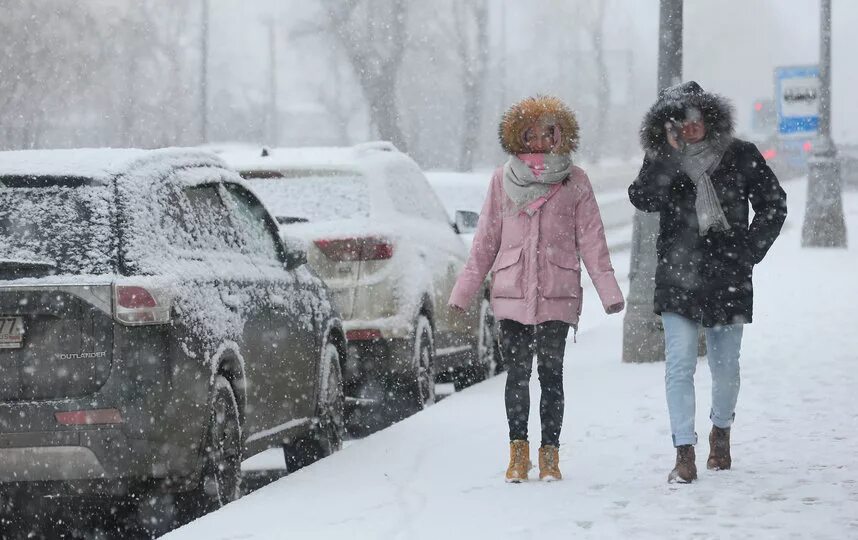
[530, 111]
[673, 105]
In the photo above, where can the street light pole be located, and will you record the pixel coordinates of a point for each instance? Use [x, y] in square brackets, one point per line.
[824, 225]
[273, 112]
[204, 71]
[643, 334]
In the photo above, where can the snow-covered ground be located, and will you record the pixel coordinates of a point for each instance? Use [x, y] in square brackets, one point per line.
[439, 474]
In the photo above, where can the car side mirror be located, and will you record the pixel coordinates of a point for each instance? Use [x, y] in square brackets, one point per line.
[466, 222]
[296, 252]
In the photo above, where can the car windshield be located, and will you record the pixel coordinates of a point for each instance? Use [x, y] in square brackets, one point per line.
[54, 226]
[295, 196]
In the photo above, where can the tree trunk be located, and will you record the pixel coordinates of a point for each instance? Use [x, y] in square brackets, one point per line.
[475, 69]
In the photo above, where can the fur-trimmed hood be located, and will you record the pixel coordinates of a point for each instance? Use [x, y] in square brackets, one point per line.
[526, 113]
[673, 105]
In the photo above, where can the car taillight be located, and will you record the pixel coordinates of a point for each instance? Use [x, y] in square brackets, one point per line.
[368, 248]
[807, 146]
[85, 418]
[770, 153]
[364, 334]
[137, 305]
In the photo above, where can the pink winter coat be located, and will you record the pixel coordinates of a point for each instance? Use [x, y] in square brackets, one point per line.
[535, 259]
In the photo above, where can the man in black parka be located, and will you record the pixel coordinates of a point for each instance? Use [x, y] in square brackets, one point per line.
[702, 181]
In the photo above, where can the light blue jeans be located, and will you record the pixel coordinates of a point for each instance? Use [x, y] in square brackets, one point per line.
[722, 347]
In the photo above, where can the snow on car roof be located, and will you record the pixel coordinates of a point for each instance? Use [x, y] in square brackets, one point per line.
[98, 164]
[333, 157]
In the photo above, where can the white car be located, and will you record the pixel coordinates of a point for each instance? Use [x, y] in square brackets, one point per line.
[379, 236]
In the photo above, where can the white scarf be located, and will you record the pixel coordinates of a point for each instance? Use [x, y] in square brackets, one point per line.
[699, 160]
[524, 186]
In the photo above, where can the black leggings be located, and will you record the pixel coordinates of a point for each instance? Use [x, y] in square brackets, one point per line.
[518, 343]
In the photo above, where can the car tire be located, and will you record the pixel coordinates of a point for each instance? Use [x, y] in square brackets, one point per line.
[419, 386]
[220, 482]
[327, 434]
[486, 355]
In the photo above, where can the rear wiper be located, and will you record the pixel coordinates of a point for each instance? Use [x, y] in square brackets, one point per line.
[25, 267]
[289, 220]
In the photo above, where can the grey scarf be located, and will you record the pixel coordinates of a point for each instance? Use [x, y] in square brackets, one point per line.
[699, 160]
[523, 186]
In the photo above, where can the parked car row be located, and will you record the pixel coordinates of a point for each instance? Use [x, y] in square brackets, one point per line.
[159, 320]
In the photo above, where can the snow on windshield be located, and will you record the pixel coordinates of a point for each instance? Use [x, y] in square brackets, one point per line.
[314, 195]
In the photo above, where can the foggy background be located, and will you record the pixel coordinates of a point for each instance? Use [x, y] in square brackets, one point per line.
[433, 76]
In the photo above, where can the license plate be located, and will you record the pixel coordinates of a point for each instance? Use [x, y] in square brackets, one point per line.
[11, 332]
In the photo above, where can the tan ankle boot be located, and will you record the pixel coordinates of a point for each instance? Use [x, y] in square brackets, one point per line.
[549, 463]
[519, 462]
[685, 470]
[719, 450]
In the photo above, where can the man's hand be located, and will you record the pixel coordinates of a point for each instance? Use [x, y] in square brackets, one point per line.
[615, 308]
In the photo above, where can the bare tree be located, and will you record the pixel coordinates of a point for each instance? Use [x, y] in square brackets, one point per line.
[373, 35]
[46, 54]
[471, 22]
[156, 69]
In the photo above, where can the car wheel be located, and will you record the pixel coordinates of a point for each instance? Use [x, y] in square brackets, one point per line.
[485, 360]
[332, 401]
[221, 455]
[421, 386]
[327, 435]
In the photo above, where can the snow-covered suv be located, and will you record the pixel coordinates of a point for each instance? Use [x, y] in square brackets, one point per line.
[153, 330]
[379, 236]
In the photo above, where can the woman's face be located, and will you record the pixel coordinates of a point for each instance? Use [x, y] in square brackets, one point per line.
[692, 131]
[539, 139]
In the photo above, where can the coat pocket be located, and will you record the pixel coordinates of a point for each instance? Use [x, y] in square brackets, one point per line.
[507, 281]
[562, 275]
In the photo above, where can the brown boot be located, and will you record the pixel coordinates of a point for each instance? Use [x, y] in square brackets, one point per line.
[549, 463]
[685, 470]
[719, 450]
[519, 462]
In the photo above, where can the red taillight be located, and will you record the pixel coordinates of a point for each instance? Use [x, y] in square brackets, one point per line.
[770, 153]
[134, 297]
[135, 304]
[356, 249]
[363, 335]
[85, 418]
[807, 146]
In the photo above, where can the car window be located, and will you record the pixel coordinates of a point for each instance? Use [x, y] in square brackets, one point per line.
[296, 196]
[251, 222]
[411, 193]
[207, 224]
[53, 226]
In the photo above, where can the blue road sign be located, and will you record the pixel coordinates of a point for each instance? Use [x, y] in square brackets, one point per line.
[797, 96]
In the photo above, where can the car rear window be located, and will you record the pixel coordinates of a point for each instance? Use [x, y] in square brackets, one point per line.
[311, 195]
[55, 226]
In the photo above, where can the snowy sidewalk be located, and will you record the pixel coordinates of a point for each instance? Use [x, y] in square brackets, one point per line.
[439, 474]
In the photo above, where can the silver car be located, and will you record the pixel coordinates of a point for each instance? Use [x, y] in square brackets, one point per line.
[378, 235]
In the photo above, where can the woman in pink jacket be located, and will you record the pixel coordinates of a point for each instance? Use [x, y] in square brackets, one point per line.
[540, 219]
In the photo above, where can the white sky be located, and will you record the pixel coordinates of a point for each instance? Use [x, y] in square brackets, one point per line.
[731, 47]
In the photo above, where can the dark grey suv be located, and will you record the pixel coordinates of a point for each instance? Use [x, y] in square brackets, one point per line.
[153, 330]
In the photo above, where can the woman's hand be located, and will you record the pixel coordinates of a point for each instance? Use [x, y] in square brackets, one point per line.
[672, 134]
[615, 308]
